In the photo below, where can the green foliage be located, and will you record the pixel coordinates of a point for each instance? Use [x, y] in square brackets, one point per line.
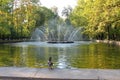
[19, 20]
[100, 18]
[5, 18]
[42, 15]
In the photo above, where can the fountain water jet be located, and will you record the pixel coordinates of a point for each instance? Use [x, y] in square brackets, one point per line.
[56, 32]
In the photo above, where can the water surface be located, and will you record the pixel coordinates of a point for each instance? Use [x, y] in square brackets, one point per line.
[75, 55]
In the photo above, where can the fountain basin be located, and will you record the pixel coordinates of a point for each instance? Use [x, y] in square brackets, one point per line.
[60, 42]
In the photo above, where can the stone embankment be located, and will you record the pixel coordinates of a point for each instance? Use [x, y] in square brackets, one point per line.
[109, 42]
[24, 73]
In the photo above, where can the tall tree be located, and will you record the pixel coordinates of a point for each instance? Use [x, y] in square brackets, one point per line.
[100, 18]
[5, 18]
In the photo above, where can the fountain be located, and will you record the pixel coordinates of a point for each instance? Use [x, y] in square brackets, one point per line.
[57, 32]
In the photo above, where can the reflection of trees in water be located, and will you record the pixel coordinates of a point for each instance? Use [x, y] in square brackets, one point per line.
[6, 55]
[64, 57]
[83, 56]
[96, 56]
[37, 56]
[23, 55]
[87, 58]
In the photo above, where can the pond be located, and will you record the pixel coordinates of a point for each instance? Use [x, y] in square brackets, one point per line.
[82, 54]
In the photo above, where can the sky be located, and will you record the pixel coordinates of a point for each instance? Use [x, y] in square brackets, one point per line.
[59, 3]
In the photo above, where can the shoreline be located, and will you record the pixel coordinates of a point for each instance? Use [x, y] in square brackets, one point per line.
[109, 42]
[29, 78]
[24, 40]
[13, 41]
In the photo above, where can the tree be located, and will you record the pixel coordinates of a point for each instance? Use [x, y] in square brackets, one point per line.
[5, 18]
[55, 11]
[66, 11]
[42, 15]
[100, 18]
[18, 18]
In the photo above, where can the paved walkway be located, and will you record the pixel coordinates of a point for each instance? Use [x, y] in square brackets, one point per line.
[10, 73]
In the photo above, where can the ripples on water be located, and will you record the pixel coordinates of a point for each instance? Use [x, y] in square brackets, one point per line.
[82, 54]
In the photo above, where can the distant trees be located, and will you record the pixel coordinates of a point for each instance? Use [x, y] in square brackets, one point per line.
[18, 18]
[100, 18]
[66, 12]
[42, 15]
[5, 18]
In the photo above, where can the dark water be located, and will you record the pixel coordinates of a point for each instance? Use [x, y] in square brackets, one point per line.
[75, 55]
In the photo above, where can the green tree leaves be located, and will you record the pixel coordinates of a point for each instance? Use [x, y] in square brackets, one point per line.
[18, 20]
[100, 18]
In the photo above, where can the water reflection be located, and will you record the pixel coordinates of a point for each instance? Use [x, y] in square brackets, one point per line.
[62, 58]
[90, 55]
